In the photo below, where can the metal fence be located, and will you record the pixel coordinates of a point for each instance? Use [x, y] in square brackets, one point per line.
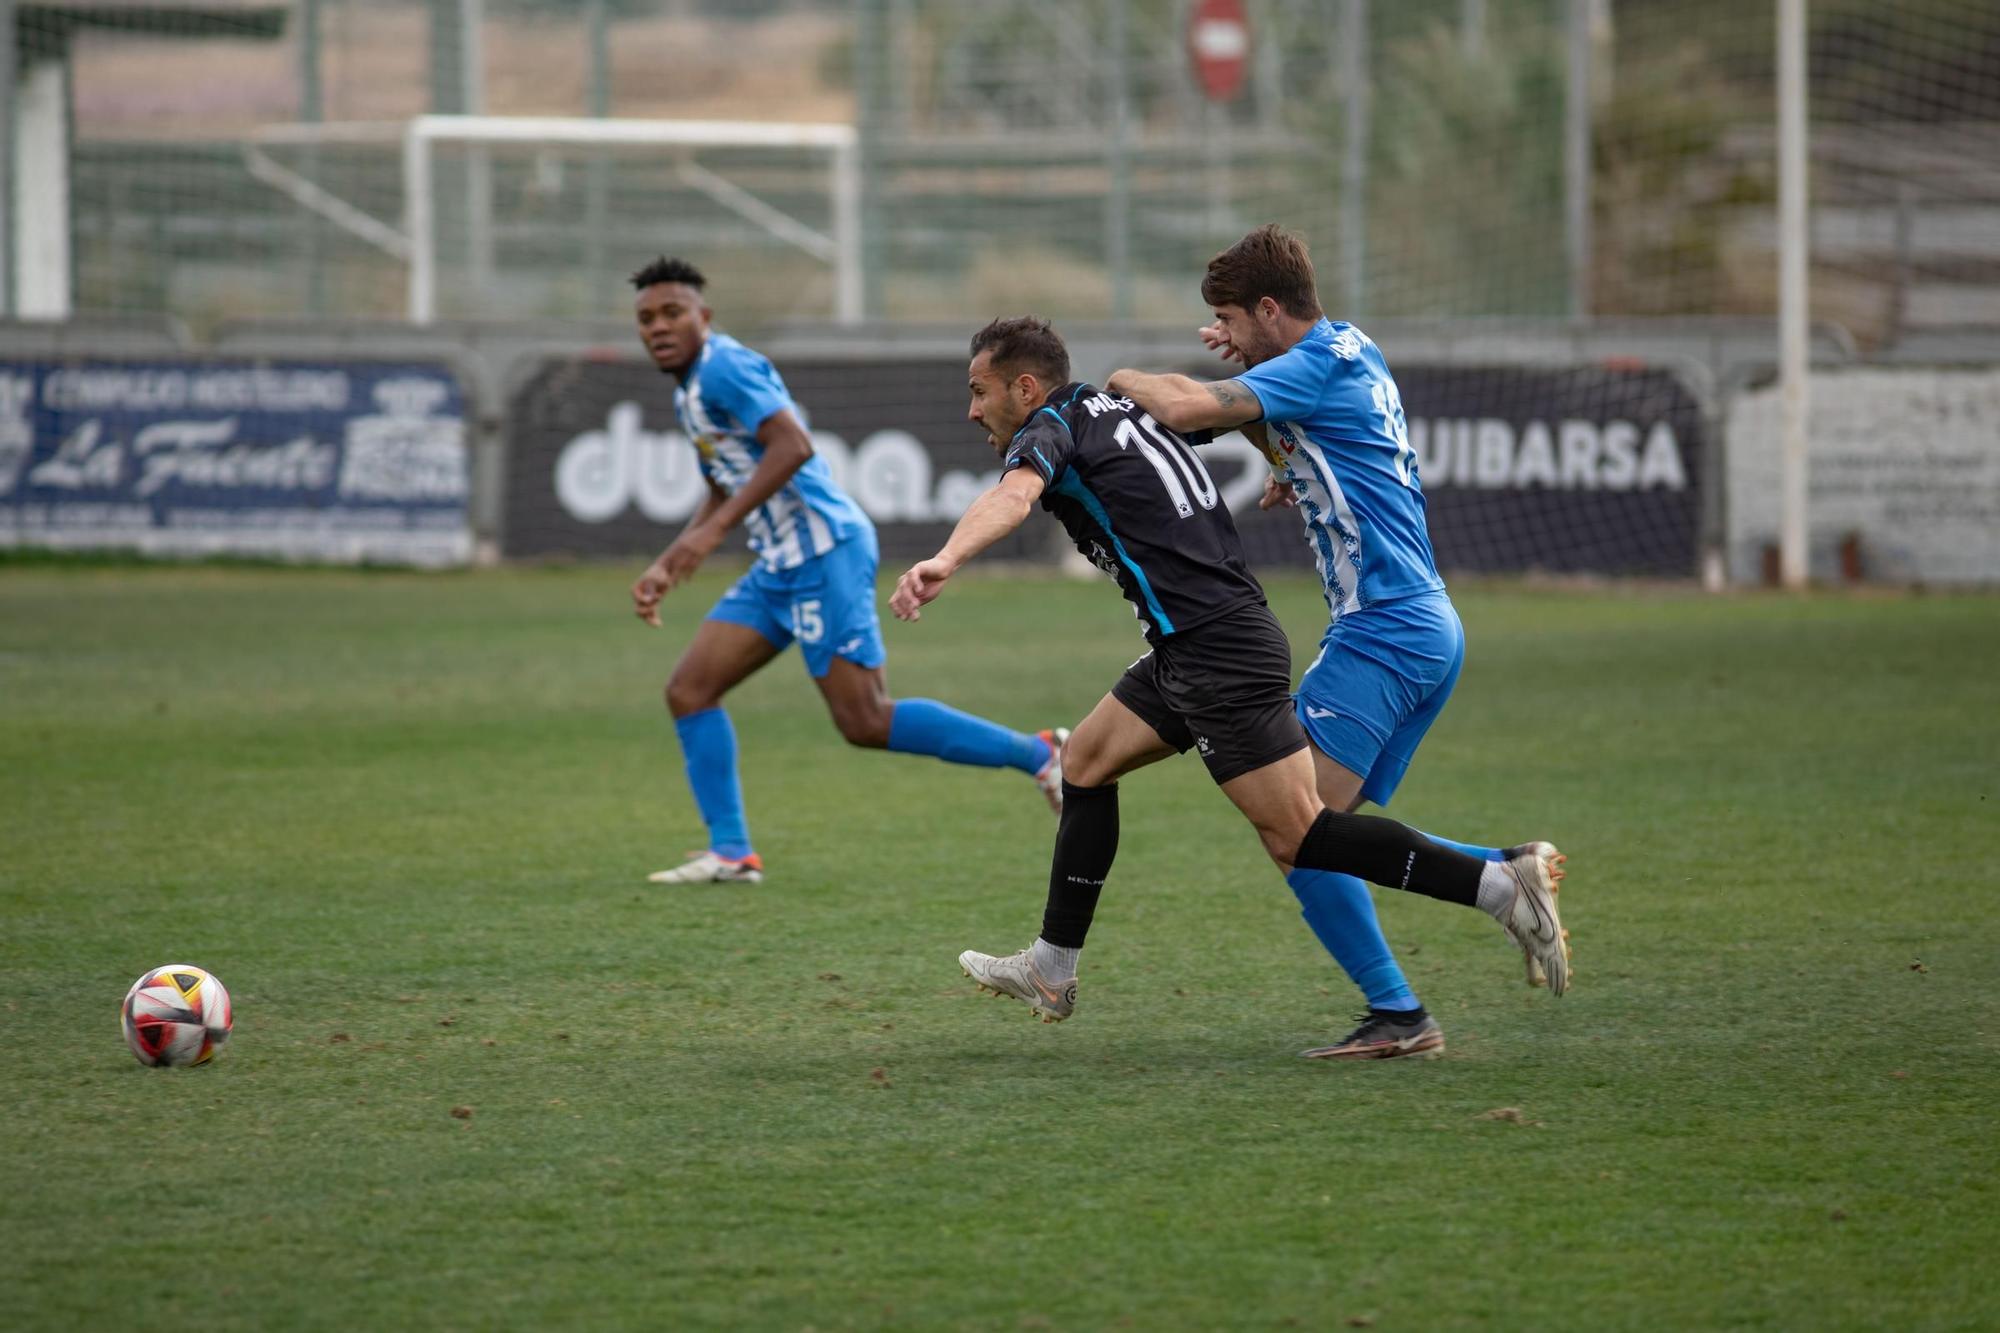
[1448, 158]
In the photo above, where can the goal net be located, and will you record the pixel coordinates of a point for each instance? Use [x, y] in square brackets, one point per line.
[510, 216]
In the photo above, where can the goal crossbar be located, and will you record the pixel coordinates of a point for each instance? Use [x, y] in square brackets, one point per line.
[842, 249]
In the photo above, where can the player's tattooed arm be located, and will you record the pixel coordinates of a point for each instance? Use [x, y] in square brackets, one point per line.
[1229, 394]
[1183, 404]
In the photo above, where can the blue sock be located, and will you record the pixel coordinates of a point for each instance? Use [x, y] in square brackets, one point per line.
[925, 726]
[1341, 913]
[1483, 853]
[708, 747]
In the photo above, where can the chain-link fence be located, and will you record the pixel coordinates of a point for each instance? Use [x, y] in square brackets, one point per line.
[1450, 158]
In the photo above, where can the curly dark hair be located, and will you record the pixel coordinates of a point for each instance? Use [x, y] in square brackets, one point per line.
[665, 269]
[1026, 343]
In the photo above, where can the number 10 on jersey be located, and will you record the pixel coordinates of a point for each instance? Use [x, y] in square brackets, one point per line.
[1183, 476]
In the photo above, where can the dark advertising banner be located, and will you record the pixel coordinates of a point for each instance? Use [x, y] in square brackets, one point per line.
[344, 462]
[598, 466]
[1569, 470]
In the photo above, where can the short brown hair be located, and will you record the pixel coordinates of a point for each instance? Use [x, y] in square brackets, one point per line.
[1025, 343]
[1271, 262]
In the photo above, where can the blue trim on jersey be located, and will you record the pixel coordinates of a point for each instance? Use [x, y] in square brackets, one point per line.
[723, 398]
[1058, 416]
[1081, 493]
[1333, 399]
[1325, 531]
[1043, 461]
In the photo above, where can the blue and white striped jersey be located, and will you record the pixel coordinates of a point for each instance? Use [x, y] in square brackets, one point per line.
[727, 394]
[1335, 421]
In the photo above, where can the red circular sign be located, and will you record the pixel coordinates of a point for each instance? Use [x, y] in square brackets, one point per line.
[1219, 44]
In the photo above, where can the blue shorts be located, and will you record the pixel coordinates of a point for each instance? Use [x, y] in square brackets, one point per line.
[1382, 676]
[827, 604]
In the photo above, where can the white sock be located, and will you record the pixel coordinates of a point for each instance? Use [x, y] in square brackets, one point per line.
[1054, 962]
[1496, 891]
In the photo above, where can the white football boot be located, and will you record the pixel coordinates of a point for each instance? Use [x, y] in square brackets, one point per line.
[1532, 921]
[1554, 860]
[708, 868]
[1050, 777]
[1015, 975]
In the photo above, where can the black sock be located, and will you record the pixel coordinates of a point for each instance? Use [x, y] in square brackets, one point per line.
[1393, 855]
[1086, 842]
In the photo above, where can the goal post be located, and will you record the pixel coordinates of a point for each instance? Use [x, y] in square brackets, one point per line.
[841, 249]
[382, 183]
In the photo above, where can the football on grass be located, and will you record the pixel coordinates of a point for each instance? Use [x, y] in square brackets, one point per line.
[176, 1015]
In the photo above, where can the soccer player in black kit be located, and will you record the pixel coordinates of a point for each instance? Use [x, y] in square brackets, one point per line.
[1137, 501]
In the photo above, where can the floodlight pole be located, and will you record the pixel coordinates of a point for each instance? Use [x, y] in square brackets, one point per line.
[478, 162]
[870, 82]
[1793, 293]
[1117, 149]
[597, 174]
[7, 57]
[1576, 161]
[312, 110]
[1354, 158]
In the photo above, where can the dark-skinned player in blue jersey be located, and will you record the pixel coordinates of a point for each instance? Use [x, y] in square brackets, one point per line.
[812, 582]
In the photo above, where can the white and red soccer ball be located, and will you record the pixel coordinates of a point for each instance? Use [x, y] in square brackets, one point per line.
[176, 1015]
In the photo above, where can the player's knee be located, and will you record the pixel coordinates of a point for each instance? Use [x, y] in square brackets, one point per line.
[1278, 846]
[688, 694]
[1086, 765]
[1281, 834]
[865, 725]
[1098, 774]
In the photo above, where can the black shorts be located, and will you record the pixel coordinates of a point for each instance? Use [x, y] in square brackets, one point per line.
[1224, 688]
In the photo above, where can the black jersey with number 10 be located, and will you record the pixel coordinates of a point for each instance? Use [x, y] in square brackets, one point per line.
[1138, 502]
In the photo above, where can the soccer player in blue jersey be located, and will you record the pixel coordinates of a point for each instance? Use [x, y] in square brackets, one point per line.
[1318, 397]
[812, 581]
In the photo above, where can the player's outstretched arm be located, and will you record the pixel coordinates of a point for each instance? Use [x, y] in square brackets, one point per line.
[656, 582]
[992, 516]
[1183, 404]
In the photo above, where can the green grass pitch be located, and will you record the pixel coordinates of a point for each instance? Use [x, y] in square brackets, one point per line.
[407, 818]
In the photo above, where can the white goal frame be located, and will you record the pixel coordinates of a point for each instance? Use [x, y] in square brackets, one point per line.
[416, 242]
[842, 249]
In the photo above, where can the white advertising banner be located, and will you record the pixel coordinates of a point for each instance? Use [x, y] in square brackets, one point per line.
[1903, 472]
